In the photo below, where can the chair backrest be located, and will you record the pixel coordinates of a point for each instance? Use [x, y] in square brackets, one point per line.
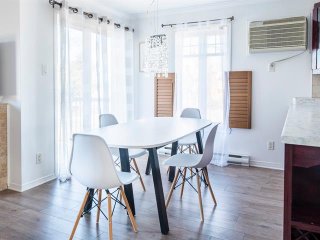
[191, 113]
[92, 163]
[208, 149]
[107, 119]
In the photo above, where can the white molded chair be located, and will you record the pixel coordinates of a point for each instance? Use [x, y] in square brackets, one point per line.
[93, 166]
[108, 120]
[189, 142]
[197, 163]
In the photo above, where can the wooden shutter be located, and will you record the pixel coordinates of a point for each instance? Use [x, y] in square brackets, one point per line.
[240, 99]
[164, 95]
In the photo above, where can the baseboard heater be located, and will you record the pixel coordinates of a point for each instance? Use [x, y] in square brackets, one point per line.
[239, 160]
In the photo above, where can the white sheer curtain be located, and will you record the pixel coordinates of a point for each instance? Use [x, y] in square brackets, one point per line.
[202, 60]
[93, 76]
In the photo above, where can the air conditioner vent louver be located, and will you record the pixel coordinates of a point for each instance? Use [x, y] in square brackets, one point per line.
[289, 34]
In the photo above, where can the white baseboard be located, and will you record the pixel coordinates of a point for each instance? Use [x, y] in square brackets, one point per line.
[14, 187]
[31, 184]
[270, 165]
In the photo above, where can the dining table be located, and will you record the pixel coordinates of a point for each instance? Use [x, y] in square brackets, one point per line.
[151, 134]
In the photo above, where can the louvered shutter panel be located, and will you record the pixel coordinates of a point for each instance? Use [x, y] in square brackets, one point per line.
[240, 99]
[164, 96]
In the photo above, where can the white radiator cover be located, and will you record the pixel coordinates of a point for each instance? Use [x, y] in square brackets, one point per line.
[239, 159]
[288, 34]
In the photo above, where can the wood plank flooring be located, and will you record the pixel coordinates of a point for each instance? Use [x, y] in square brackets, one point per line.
[250, 207]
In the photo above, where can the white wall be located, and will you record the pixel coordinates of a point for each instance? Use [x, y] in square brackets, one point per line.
[272, 91]
[9, 33]
[31, 129]
[37, 92]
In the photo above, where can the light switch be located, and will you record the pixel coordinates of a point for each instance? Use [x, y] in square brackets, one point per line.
[44, 69]
[272, 67]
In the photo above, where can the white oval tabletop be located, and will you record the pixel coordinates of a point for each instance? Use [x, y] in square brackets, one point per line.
[149, 133]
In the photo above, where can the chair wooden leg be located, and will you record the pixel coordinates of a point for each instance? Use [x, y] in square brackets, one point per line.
[133, 221]
[110, 215]
[99, 205]
[190, 153]
[79, 215]
[137, 169]
[206, 176]
[196, 147]
[199, 196]
[172, 188]
[180, 148]
[195, 150]
[183, 181]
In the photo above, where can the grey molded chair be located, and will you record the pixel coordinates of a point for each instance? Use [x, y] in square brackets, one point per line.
[93, 166]
[197, 163]
[109, 120]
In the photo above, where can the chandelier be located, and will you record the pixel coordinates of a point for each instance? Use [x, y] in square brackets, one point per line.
[157, 54]
[156, 58]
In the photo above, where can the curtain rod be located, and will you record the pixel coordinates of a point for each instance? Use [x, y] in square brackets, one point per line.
[213, 20]
[89, 15]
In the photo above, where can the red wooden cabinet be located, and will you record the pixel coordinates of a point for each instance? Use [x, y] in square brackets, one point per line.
[301, 192]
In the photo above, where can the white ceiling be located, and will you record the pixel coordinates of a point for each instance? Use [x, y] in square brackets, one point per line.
[142, 6]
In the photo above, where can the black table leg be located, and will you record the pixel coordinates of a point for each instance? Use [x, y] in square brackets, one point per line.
[125, 167]
[199, 141]
[88, 205]
[162, 212]
[148, 168]
[172, 170]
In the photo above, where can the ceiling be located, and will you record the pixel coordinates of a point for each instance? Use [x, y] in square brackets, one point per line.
[142, 6]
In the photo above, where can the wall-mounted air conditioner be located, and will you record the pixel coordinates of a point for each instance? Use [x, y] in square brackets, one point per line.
[288, 34]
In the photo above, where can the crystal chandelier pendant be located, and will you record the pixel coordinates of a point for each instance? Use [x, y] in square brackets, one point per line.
[157, 55]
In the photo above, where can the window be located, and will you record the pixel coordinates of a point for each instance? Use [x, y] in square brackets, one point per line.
[200, 57]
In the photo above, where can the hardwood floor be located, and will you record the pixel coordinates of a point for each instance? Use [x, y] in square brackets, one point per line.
[250, 207]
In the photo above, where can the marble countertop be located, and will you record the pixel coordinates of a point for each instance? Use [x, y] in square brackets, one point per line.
[302, 126]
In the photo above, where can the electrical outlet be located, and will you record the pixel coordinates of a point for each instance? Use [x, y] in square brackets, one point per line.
[38, 158]
[270, 145]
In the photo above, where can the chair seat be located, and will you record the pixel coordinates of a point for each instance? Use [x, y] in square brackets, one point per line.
[133, 153]
[127, 177]
[183, 160]
[188, 140]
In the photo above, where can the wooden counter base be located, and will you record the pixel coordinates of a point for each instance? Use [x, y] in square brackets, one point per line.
[301, 192]
[3, 146]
